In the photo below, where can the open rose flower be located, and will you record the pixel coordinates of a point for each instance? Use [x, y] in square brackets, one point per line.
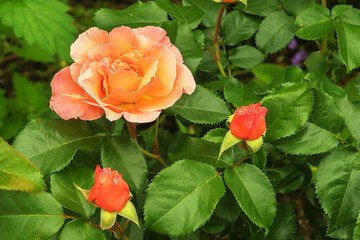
[110, 191]
[134, 73]
[249, 123]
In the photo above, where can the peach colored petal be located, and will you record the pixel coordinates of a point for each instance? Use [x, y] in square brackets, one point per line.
[91, 82]
[141, 117]
[75, 71]
[86, 41]
[166, 71]
[108, 50]
[127, 80]
[149, 66]
[69, 100]
[121, 37]
[184, 83]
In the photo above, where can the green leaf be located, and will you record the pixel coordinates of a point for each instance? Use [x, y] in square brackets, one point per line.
[351, 114]
[292, 181]
[17, 172]
[246, 57]
[309, 140]
[107, 219]
[357, 84]
[316, 63]
[287, 74]
[262, 8]
[288, 109]
[203, 151]
[175, 203]
[326, 114]
[43, 22]
[129, 212]
[189, 15]
[285, 223]
[228, 141]
[64, 190]
[190, 43]
[122, 154]
[266, 72]
[314, 23]
[240, 94]
[51, 144]
[26, 216]
[237, 27]
[357, 228]
[33, 52]
[347, 24]
[259, 159]
[338, 185]
[343, 232]
[209, 65]
[80, 229]
[294, 7]
[209, 8]
[215, 135]
[139, 14]
[275, 32]
[202, 107]
[228, 208]
[254, 193]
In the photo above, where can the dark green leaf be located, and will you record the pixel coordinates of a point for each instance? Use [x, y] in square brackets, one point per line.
[33, 52]
[357, 228]
[64, 190]
[309, 140]
[209, 8]
[80, 229]
[139, 14]
[175, 199]
[51, 144]
[215, 135]
[316, 63]
[209, 65]
[259, 159]
[202, 106]
[357, 84]
[203, 151]
[314, 23]
[351, 114]
[338, 185]
[347, 24]
[343, 232]
[240, 94]
[228, 208]
[25, 216]
[237, 27]
[17, 172]
[254, 193]
[287, 74]
[288, 109]
[285, 223]
[189, 15]
[246, 57]
[122, 154]
[275, 32]
[262, 8]
[294, 7]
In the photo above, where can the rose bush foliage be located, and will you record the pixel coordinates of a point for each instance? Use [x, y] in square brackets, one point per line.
[265, 145]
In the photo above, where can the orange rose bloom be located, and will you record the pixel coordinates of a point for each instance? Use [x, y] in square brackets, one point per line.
[110, 191]
[130, 73]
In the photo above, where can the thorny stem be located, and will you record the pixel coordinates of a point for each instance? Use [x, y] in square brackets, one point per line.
[120, 231]
[216, 40]
[241, 161]
[156, 142]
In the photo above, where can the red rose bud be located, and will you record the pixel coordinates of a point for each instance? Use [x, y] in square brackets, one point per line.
[248, 123]
[227, 1]
[110, 191]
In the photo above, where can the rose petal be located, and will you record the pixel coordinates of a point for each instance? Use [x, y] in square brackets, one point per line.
[91, 82]
[141, 117]
[127, 80]
[86, 41]
[108, 50]
[69, 100]
[118, 95]
[121, 37]
[149, 69]
[184, 83]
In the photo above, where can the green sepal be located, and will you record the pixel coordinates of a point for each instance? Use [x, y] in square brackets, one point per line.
[229, 141]
[129, 212]
[228, 121]
[107, 219]
[255, 144]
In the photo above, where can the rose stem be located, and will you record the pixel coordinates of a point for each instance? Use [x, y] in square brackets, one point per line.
[216, 40]
[119, 230]
[70, 217]
[156, 142]
[132, 131]
[229, 69]
[241, 161]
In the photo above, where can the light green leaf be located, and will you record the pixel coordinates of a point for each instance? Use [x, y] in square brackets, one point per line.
[347, 24]
[338, 185]
[80, 229]
[287, 74]
[25, 216]
[215, 135]
[209, 8]
[175, 200]
[246, 57]
[351, 114]
[51, 144]
[255, 144]
[294, 7]
[139, 14]
[228, 141]
[266, 72]
[33, 52]
[17, 172]
[309, 140]
[315, 63]
[285, 223]
[237, 27]
[275, 32]
[288, 109]
[262, 8]
[189, 15]
[241, 94]
[254, 193]
[357, 228]
[314, 23]
[64, 190]
[343, 232]
[202, 106]
[43, 22]
[203, 151]
[122, 154]
[129, 212]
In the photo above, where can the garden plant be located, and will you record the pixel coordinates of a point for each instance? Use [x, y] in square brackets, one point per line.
[182, 119]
